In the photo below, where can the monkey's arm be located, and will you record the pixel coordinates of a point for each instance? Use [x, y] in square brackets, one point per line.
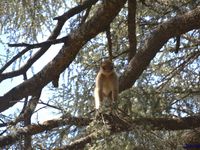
[98, 91]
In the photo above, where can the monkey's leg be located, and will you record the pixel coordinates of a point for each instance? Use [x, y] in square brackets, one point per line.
[97, 97]
[111, 102]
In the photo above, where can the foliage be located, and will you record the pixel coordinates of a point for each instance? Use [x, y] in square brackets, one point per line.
[168, 87]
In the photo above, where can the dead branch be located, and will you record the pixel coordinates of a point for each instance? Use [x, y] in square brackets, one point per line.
[178, 40]
[42, 44]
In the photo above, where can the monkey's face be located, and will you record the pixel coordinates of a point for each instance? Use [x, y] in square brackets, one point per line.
[107, 67]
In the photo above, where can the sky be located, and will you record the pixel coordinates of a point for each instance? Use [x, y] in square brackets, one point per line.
[8, 84]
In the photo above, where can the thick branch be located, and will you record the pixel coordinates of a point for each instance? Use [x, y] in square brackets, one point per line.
[35, 129]
[150, 123]
[116, 125]
[132, 28]
[154, 43]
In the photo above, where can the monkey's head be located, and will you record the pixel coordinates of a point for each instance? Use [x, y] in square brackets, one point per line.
[107, 67]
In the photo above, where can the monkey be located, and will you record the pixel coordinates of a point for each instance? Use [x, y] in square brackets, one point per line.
[106, 84]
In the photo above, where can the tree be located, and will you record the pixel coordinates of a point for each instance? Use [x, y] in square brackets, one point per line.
[155, 46]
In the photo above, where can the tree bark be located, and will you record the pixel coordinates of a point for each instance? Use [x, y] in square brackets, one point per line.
[116, 125]
[165, 31]
[132, 28]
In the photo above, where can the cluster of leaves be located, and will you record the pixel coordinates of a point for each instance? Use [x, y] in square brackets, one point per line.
[169, 87]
